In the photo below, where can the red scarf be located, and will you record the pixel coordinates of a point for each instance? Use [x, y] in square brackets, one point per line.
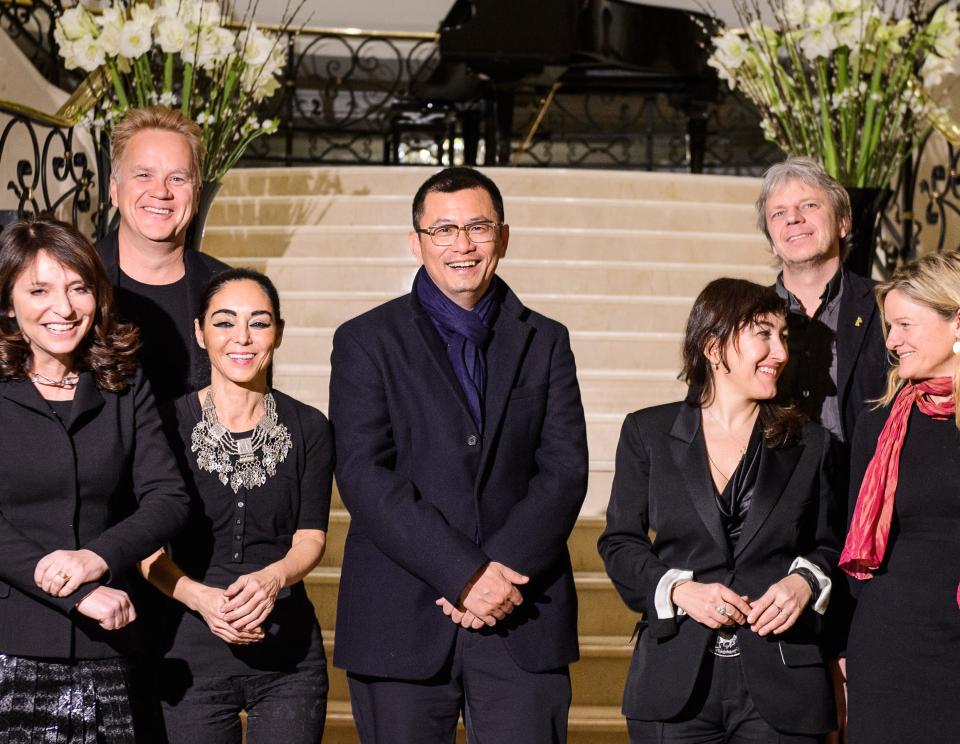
[870, 527]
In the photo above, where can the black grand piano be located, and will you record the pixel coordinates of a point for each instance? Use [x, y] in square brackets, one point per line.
[491, 49]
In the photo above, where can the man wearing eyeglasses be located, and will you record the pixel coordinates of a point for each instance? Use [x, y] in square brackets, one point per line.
[462, 459]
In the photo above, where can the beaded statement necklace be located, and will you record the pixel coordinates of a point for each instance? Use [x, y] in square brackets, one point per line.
[235, 461]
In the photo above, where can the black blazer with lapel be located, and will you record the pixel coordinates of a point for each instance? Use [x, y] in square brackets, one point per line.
[861, 351]
[662, 485]
[106, 481]
[199, 269]
[431, 499]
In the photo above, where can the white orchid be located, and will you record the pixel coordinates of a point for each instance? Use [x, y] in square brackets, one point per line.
[795, 12]
[257, 47]
[731, 50]
[109, 38]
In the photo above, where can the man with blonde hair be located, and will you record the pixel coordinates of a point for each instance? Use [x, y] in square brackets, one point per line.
[157, 155]
[837, 356]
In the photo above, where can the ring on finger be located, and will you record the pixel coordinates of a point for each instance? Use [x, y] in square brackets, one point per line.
[63, 575]
[722, 610]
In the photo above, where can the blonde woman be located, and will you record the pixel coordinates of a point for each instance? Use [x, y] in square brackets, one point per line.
[903, 545]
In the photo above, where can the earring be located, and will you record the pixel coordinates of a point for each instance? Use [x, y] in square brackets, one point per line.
[956, 346]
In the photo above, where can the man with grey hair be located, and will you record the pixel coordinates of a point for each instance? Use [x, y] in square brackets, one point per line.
[837, 353]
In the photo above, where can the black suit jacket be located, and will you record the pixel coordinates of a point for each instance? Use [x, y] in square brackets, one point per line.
[432, 500]
[199, 269]
[662, 485]
[861, 351]
[106, 481]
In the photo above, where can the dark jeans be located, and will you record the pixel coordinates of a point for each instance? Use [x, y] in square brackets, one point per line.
[500, 702]
[282, 708]
[722, 712]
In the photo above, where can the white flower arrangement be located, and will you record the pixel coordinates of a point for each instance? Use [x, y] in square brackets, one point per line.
[181, 53]
[848, 82]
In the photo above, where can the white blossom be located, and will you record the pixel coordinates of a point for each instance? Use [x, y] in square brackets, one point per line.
[847, 6]
[169, 98]
[819, 14]
[818, 42]
[143, 14]
[732, 50]
[795, 11]
[171, 35]
[269, 126]
[85, 53]
[257, 46]
[134, 40]
[76, 23]
[933, 70]
[110, 38]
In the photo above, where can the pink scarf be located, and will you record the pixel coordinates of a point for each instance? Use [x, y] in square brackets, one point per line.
[870, 527]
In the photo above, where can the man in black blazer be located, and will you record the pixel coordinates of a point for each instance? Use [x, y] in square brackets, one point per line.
[462, 458]
[837, 353]
[156, 156]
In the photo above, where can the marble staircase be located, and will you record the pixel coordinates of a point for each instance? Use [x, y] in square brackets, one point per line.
[618, 257]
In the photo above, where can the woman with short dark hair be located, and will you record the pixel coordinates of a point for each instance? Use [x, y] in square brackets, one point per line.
[259, 466]
[88, 487]
[719, 531]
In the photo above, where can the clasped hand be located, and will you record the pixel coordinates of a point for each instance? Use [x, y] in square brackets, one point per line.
[61, 572]
[716, 605]
[236, 613]
[490, 596]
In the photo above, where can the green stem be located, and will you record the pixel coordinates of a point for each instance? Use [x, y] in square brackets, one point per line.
[829, 150]
[187, 88]
[168, 73]
[867, 140]
[118, 85]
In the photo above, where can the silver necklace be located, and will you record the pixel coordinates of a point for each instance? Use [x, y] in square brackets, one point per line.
[235, 461]
[67, 382]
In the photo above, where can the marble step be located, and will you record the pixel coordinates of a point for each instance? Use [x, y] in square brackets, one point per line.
[390, 241]
[512, 182]
[523, 275]
[594, 349]
[601, 611]
[588, 724]
[580, 312]
[526, 211]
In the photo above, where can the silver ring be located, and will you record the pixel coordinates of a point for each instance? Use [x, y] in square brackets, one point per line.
[722, 610]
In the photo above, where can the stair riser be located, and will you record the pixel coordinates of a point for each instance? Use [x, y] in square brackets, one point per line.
[510, 181]
[678, 246]
[322, 210]
[577, 313]
[308, 346]
[522, 278]
[601, 612]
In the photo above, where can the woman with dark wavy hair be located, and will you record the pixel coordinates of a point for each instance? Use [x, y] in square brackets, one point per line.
[733, 486]
[88, 486]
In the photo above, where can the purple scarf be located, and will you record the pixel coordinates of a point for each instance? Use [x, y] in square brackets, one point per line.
[466, 333]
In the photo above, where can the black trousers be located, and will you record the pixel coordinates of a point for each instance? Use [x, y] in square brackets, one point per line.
[282, 708]
[721, 712]
[500, 701]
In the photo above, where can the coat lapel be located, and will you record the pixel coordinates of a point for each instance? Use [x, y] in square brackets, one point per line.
[689, 454]
[504, 356]
[857, 306]
[87, 399]
[776, 467]
[24, 393]
[437, 353]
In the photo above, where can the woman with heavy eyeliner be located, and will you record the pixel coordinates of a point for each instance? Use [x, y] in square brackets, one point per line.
[903, 542]
[88, 487]
[259, 465]
[719, 531]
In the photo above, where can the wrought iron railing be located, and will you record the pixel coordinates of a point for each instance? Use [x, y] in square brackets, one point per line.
[48, 170]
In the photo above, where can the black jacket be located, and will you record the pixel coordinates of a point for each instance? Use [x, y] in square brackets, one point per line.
[199, 269]
[662, 485]
[107, 482]
[432, 499]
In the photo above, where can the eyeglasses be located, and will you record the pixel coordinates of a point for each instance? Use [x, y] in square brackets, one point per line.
[476, 232]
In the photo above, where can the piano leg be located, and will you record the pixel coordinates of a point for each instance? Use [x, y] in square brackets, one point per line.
[697, 114]
[470, 123]
[504, 125]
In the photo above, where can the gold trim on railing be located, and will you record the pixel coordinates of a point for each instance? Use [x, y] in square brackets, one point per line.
[353, 32]
[53, 120]
[85, 97]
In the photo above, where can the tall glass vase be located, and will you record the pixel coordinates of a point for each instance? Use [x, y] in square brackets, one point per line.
[866, 206]
[208, 192]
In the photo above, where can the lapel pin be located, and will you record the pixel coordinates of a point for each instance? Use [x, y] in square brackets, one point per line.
[859, 321]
